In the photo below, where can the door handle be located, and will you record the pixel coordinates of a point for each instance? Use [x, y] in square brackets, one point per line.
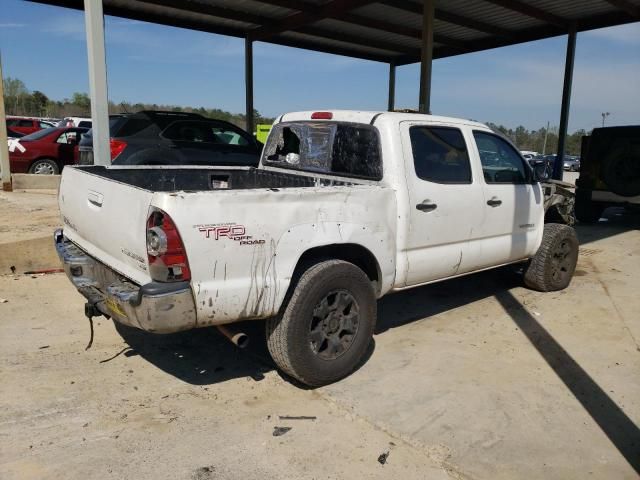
[426, 207]
[95, 198]
[494, 202]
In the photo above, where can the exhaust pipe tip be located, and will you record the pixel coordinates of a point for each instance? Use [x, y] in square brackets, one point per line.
[239, 339]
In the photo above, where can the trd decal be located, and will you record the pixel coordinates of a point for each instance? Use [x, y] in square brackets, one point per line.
[230, 231]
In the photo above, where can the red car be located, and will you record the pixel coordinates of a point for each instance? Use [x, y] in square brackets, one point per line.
[27, 125]
[46, 151]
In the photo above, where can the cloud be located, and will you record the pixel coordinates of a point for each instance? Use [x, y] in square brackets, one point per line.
[12, 25]
[627, 34]
[67, 26]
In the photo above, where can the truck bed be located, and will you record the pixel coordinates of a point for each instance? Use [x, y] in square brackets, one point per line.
[202, 179]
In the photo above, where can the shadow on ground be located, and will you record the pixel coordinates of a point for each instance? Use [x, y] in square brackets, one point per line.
[203, 357]
[614, 221]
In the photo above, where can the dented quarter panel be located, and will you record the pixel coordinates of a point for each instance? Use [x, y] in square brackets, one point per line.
[232, 281]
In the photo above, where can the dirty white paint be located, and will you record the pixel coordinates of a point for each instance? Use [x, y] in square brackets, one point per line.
[234, 280]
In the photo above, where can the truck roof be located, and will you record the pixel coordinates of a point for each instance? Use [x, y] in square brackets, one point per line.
[359, 116]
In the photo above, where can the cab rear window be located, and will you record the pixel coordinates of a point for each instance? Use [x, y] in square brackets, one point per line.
[339, 148]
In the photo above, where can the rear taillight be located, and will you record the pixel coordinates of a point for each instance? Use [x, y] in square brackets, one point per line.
[116, 146]
[165, 250]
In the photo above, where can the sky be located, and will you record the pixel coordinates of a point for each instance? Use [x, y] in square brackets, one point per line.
[45, 47]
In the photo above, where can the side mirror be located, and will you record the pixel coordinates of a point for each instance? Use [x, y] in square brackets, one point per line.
[540, 171]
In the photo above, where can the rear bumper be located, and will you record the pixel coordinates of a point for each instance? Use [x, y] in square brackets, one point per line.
[155, 307]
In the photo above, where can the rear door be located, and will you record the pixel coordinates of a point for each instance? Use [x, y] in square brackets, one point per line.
[446, 201]
[67, 146]
[513, 203]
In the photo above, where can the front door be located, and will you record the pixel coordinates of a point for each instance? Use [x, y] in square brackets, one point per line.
[445, 200]
[514, 215]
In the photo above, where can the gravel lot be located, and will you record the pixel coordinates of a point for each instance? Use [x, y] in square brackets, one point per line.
[475, 378]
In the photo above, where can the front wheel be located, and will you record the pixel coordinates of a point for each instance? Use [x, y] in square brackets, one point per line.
[555, 261]
[327, 325]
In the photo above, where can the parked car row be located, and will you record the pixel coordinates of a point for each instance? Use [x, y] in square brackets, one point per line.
[143, 138]
[173, 138]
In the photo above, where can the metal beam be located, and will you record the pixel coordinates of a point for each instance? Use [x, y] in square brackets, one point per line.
[398, 29]
[248, 81]
[212, 10]
[365, 21]
[528, 35]
[358, 40]
[426, 58]
[530, 11]
[566, 101]
[94, 24]
[392, 88]
[630, 8]
[450, 17]
[5, 166]
[293, 22]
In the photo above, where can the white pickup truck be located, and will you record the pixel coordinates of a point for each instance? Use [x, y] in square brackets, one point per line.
[344, 208]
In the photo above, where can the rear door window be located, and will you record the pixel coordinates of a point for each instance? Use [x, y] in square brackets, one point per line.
[346, 149]
[440, 154]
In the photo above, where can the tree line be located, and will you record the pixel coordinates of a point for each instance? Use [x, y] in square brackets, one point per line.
[19, 100]
[534, 140]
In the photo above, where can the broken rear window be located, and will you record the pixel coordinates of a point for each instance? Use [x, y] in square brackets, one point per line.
[345, 149]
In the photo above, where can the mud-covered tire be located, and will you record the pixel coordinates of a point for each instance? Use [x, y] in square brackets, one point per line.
[555, 261]
[295, 337]
[44, 166]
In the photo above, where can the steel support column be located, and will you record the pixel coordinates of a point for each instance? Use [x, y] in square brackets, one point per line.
[426, 57]
[248, 80]
[94, 25]
[5, 167]
[392, 87]
[566, 102]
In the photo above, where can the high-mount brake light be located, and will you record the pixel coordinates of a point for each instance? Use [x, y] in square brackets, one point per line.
[167, 257]
[321, 116]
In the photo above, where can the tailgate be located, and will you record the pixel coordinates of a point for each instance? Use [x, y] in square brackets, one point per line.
[107, 219]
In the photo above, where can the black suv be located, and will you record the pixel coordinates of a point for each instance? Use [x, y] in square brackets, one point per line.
[174, 138]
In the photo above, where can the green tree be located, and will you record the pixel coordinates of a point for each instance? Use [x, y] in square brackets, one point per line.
[40, 102]
[81, 100]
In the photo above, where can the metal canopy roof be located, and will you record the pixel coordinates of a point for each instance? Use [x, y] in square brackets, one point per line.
[384, 30]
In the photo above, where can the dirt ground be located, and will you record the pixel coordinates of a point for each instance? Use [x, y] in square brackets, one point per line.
[475, 378]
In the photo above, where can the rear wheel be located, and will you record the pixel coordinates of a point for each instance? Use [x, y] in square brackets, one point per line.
[555, 261]
[44, 166]
[325, 329]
